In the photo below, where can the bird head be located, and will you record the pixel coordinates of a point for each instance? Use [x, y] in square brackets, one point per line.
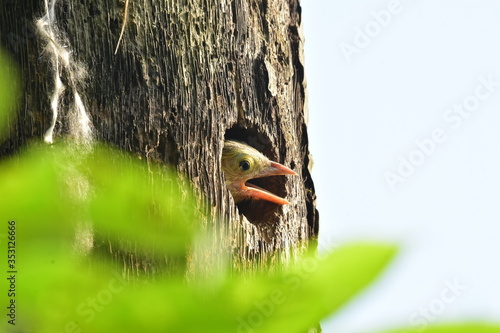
[240, 163]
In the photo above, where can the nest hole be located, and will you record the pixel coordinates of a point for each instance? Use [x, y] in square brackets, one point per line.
[263, 214]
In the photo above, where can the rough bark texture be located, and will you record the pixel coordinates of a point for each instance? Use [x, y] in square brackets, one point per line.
[188, 75]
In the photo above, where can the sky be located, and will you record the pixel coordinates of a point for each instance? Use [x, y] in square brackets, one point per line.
[407, 95]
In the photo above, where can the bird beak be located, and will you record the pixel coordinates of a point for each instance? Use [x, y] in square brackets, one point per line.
[276, 169]
[256, 192]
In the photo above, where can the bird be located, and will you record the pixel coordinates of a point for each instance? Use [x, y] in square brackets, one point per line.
[240, 163]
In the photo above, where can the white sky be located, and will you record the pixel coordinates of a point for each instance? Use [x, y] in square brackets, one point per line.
[413, 77]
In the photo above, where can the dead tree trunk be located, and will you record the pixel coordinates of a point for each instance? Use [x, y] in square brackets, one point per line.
[187, 75]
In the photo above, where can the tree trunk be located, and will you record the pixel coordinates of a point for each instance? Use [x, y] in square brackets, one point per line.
[187, 75]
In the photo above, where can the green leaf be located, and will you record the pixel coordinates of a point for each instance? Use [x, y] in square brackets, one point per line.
[326, 284]
[32, 196]
[147, 203]
[453, 328]
[95, 300]
[52, 188]
[49, 190]
[289, 302]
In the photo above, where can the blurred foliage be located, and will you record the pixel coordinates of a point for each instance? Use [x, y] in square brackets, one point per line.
[453, 328]
[51, 187]
[49, 190]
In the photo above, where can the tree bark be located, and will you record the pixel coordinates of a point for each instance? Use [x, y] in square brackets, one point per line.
[187, 75]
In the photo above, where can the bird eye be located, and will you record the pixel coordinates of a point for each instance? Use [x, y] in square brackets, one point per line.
[244, 165]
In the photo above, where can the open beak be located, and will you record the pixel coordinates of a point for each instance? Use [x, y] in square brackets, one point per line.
[256, 192]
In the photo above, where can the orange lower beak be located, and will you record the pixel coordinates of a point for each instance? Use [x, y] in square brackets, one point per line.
[258, 193]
